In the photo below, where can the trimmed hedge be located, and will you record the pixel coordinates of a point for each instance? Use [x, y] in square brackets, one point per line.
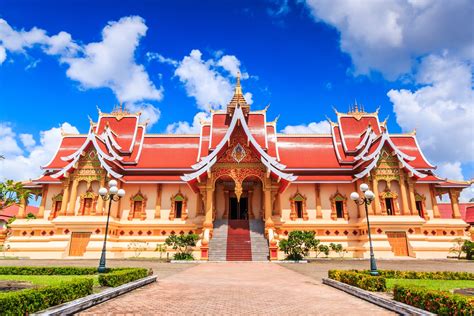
[361, 280]
[47, 271]
[442, 303]
[438, 275]
[33, 300]
[122, 276]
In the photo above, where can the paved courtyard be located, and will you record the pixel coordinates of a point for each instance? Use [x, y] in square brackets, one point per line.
[234, 289]
[244, 288]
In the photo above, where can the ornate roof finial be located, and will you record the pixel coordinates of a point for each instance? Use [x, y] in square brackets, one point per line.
[238, 87]
[238, 99]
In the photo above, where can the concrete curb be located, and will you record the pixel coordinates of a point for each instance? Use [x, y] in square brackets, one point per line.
[289, 261]
[82, 303]
[394, 306]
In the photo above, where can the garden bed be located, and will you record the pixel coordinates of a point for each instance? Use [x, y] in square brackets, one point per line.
[56, 285]
[426, 290]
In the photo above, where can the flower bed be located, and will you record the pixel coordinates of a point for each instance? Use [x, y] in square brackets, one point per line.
[440, 302]
[32, 300]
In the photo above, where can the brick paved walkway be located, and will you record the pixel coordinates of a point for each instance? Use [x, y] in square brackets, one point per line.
[236, 288]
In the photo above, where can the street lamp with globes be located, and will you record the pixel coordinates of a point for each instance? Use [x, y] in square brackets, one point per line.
[368, 197]
[112, 194]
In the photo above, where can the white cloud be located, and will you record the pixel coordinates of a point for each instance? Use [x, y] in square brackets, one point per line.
[8, 144]
[388, 36]
[149, 113]
[23, 165]
[27, 140]
[454, 171]
[204, 82]
[111, 63]
[183, 127]
[3, 54]
[322, 127]
[441, 110]
[162, 59]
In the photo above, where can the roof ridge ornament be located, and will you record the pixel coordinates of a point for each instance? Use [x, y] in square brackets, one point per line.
[238, 99]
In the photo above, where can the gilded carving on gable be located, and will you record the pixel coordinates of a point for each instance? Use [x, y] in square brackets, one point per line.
[387, 167]
[89, 168]
[238, 150]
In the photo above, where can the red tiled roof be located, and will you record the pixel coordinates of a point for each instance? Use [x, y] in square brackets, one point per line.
[446, 210]
[13, 211]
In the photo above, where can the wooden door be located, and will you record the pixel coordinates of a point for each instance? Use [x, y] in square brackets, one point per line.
[398, 241]
[79, 243]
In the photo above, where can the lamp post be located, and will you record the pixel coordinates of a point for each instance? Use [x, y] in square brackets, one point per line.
[112, 194]
[367, 200]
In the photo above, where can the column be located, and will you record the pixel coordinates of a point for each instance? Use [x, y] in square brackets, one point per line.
[22, 208]
[434, 203]
[198, 204]
[376, 205]
[116, 210]
[158, 201]
[209, 204]
[267, 192]
[72, 200]
[250, 201]
[65, 201]
[403, 192]
[454, 197]
[44, 196]
[100, 201]
[360, 208]
[411, 192]
[317, 191]
[277, 204]
[226, 204]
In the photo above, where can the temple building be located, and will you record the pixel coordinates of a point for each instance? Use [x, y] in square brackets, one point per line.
[241, 186]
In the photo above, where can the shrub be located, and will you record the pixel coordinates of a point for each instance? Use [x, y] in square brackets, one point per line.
[361, 280]
[442, 303]
[138, 247]
[183, 245]
[121, 276]
[437, 275]
[47, 271]
[298, 244]
[468, 249]
[322, 249]
[338, 248]
[32, 300]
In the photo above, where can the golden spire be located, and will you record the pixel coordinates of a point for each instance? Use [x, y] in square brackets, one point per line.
[238, 87]
[238, 98]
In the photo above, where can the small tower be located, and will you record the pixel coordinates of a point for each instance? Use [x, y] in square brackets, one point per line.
[238, 99]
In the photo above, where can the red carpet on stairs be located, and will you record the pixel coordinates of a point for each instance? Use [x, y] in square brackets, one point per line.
[238, 241]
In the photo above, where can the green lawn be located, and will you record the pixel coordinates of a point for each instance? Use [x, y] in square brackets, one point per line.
[47, 279]
[442, 285]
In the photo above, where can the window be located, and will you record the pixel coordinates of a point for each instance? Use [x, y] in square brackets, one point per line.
[137, 206]
[178, 207]
[389, 206]
[419, 208]
[298, 207]
[87, 206]
[340, 209]
[339, 206]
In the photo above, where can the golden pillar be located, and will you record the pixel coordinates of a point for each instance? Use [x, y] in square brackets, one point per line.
[360, 208]
[158, 201]
[317, 191]
[100, 201]
[226, 204]
[250, 201]
[116, 209]
[454, 197]
[277, 204]
[65, 203]
[411, 192]
[403, 191]
[434, 203]
[209, 204]
[375, 188]
[72, 200]
[267, 193]
[44, 196]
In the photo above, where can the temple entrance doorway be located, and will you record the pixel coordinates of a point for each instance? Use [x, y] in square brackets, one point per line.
[238, 209]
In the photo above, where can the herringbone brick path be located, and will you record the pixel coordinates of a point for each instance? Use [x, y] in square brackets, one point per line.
[236, 288]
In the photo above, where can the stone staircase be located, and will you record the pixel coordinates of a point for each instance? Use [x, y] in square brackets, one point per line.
[259, 243]
[218, 242]
[238, 240]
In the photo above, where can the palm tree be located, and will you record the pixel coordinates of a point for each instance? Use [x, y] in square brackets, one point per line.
[12, 193]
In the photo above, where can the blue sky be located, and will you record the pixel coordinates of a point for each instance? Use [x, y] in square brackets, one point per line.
[301, 57]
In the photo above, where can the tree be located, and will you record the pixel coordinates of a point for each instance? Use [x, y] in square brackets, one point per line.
[12, 193]
[338, 248]
[322, 249]
[468, 249]
[183, 245]
[298, 244]
[457, 247]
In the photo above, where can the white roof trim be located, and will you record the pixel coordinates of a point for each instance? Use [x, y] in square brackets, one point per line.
[287, 176]
[421, 153]
[368, 132]
[368, 168]
[191, 176]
